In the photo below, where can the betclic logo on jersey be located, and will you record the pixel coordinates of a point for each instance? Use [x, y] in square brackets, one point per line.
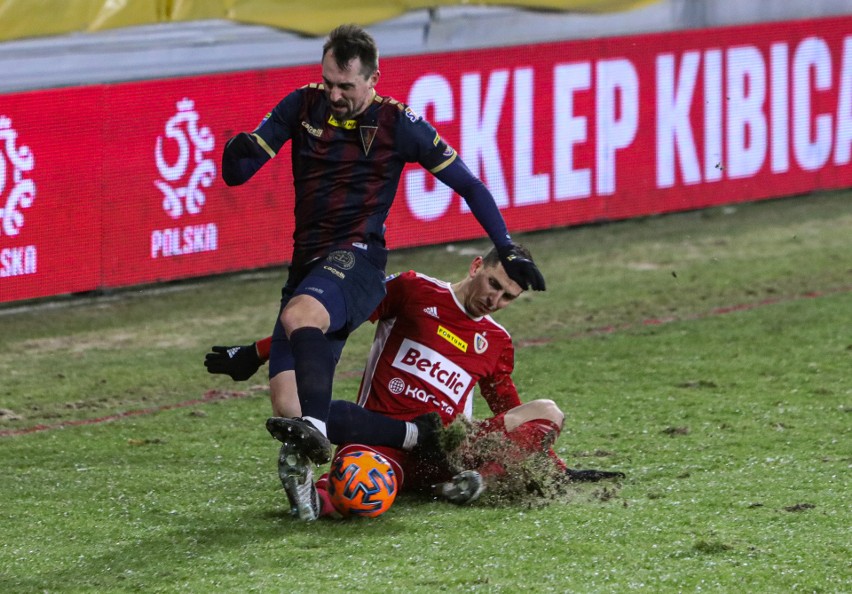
[17, 193]
[185, 168]
[433, 368]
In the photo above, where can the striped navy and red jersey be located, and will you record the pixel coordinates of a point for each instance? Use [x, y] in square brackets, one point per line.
[345, 174]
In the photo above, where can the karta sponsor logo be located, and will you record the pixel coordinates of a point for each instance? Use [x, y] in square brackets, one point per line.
[433, 368]
[182, 182]
[17, 193]
[398, 386]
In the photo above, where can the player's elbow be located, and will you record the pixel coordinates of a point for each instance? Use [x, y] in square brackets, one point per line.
[233, 174]
[231, 180]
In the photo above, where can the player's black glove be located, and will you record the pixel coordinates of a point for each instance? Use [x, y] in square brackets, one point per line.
[240, 362]
[591, 476]
[520, 269]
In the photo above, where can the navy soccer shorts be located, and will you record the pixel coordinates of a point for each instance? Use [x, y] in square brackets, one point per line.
[350, 285]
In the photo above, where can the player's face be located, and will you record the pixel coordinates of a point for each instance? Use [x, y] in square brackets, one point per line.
[348, 90]
[490, 289]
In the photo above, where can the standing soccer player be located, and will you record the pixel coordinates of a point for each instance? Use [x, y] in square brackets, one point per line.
[349, 146]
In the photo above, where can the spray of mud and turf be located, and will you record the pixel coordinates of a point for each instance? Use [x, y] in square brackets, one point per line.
[514, 477]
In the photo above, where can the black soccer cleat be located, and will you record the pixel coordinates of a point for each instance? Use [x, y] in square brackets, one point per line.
[591, 476]
[306, 438]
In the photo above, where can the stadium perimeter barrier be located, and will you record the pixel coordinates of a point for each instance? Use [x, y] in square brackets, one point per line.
[114, 185]
[64, 16]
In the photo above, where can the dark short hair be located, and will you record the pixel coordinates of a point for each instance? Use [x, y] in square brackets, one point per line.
[492, 259]
[348, 42]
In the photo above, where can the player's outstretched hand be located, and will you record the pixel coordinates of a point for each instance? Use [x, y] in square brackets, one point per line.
[240, 362]
[520, 269]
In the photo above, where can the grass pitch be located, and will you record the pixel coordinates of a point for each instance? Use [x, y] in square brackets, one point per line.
[705, 354]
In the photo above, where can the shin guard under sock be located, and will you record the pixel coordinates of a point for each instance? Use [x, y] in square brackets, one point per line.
[314, 367]
[350, 423]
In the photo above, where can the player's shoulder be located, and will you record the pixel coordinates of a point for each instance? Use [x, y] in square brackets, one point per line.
[309, 92]
[397, 109]
[301, 95]
[412, 278]
[496, 328]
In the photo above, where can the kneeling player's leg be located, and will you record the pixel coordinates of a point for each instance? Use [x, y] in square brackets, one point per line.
[534, 426]
[536, 410]
[531, 428]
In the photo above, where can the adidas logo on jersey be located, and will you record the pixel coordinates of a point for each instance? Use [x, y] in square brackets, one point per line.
[432, 311]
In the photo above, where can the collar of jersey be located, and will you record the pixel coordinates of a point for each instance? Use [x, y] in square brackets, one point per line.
[349, 124]
[346, 124]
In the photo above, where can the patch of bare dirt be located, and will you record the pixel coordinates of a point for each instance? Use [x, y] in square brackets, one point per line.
[9, 415]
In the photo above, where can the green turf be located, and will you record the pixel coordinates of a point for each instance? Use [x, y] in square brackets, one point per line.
[706, 354]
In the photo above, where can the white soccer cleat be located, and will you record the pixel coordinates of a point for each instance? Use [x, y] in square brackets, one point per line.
[294, 470]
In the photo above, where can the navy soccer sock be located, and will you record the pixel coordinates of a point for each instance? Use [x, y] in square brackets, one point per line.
[314, 366]
[350, 423]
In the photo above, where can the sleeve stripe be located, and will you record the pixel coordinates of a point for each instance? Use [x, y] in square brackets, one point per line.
[445, 164]
[264, 146]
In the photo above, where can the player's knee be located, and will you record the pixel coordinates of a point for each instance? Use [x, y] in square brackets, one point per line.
[304, 311]
[547, 409]
[542, 409]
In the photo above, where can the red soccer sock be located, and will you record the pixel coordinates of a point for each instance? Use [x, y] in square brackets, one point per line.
[326, 507]
[534, 436]
[537, 435]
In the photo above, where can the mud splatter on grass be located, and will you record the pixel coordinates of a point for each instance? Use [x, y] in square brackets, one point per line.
[515, 477]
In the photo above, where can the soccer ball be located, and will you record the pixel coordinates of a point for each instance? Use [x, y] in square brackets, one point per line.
[361, 483]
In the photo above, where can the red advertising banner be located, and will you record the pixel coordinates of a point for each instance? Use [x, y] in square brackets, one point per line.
[117, 185]
[51, 170]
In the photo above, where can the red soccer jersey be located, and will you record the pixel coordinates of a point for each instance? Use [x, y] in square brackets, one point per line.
[429, 353]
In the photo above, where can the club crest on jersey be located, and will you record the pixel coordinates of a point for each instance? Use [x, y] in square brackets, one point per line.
[368, 134]
[480, 345]
[342, 259]
[452, 339]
